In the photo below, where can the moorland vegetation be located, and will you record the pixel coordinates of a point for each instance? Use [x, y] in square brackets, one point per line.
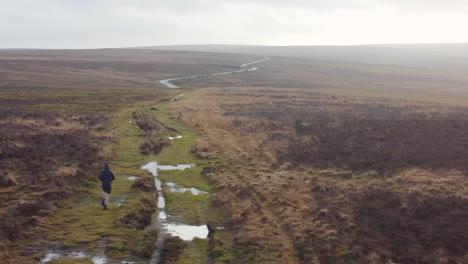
[327, 178]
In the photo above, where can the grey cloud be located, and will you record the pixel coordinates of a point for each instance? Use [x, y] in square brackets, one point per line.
[183, 6]
[314, 4]
[414, 5]
[114, 23]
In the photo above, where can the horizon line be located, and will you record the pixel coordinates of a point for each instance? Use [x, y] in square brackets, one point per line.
[246, 45]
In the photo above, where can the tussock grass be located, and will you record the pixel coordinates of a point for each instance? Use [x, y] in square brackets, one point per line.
[331, 178]
[64, 155]
[63, 115]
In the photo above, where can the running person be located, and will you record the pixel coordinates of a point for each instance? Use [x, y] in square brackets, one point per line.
[106, 177]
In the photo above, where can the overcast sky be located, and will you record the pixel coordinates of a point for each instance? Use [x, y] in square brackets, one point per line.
[123, 23]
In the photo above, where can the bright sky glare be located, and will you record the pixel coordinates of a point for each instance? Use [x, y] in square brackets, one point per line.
[125, 23]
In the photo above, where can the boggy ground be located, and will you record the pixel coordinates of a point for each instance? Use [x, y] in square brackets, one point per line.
[284, 185]
[62, 210]
[185, 208]
[64, 113]
[310, 177]
[50, 157]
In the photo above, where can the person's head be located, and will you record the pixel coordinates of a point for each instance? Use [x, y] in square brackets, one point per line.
[106, 166]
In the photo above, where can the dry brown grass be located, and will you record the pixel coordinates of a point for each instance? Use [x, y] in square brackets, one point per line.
[60, 115]
[106, 68]
[287, 207]
[347, 78]
[280, 207]
[43, 158]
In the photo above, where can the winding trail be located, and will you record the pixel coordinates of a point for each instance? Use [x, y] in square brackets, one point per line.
[168, 84]
[166, 227]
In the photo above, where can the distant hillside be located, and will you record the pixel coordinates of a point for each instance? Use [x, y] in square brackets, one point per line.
[445, 57]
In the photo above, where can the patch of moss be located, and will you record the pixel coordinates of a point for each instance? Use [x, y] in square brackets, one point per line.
[186, 207]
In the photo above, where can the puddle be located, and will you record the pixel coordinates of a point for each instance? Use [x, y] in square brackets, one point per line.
[119, 202]
[194, 191]
[100, 259]
[178, 167]
[161, 200]
[185, 232]
[158, 185]
[162, 215]
[172, 138]
[58, 254]
[153, 168]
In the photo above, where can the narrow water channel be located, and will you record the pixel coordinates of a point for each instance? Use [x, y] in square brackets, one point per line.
[168, 82]
[167, 228]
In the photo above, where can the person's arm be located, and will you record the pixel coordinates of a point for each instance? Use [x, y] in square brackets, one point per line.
[100, 176]
[113, 177]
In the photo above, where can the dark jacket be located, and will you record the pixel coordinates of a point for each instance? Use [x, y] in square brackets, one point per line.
[106, 177]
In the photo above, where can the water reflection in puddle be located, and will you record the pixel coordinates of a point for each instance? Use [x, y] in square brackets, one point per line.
[99, 260]
[153, 167]
[119, 201]
[178, 167]
[161, 200]
[185, 232]
[194, 191]
[162, 215]
[62, 254]
[57, 254]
